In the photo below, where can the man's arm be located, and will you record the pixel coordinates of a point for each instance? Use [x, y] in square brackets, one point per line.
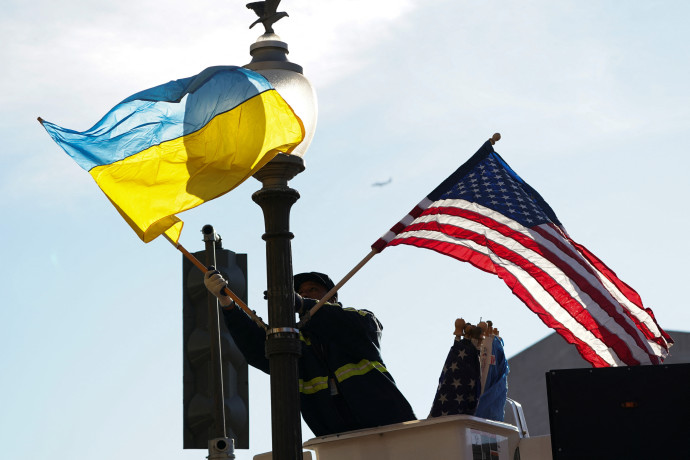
[248, 336]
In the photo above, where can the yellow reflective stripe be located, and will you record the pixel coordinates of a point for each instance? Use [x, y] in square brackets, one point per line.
[361, 368]
[361, 312]
[304, 339]
[313, 385]
[343, 373]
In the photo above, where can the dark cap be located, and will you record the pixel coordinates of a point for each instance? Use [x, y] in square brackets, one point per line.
[316, 277]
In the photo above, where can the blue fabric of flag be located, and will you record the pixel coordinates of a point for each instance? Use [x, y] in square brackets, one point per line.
[487, 179]
[495, 392]
[155, 115]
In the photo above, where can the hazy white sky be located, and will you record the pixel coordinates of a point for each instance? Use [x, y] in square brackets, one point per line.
[591, 99]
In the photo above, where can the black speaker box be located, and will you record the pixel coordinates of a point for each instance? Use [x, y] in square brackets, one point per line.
[640, 412]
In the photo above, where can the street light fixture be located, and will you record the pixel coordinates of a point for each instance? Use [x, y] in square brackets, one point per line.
[283, 348]
[269, 58]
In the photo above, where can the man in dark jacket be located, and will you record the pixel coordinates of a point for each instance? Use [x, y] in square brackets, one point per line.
[344, 384]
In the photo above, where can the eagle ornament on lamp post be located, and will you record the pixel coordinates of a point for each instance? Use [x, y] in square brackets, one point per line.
[267, 12]
[283, 348]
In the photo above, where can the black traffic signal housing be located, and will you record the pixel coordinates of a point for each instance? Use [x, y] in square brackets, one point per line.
[197, 385]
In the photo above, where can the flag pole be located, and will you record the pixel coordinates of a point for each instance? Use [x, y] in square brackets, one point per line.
[226, 289]
[307, 316]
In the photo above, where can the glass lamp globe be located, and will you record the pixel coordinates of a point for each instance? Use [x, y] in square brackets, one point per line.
[269, 58]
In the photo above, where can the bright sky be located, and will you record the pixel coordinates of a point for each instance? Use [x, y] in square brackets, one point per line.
[590, 97]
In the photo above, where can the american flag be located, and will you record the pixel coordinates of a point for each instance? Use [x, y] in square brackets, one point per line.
[485, 214]
[458, 387]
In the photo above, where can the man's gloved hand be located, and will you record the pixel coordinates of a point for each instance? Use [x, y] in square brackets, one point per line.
[215, 283]
[300, 302]
[303, 304]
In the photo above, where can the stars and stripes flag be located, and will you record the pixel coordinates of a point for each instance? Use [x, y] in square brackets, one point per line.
[458, 387]
[485, 214]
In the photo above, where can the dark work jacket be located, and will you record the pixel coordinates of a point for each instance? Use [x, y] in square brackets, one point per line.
[344, 384]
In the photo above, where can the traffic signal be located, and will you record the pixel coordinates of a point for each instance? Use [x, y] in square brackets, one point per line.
[198, 387]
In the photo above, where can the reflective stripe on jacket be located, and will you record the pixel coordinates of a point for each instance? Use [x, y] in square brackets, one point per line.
[343, 373]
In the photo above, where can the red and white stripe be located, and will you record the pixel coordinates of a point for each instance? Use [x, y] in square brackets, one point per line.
[570, 289]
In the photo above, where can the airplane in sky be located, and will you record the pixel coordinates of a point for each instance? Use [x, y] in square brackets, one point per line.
[381, 184]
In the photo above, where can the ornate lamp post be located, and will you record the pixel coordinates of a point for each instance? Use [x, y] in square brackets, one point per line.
[283, 349]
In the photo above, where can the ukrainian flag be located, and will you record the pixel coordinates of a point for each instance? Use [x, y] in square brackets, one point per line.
[175, 146]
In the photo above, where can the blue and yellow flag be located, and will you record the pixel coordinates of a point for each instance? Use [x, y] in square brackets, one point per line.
[175, 146]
